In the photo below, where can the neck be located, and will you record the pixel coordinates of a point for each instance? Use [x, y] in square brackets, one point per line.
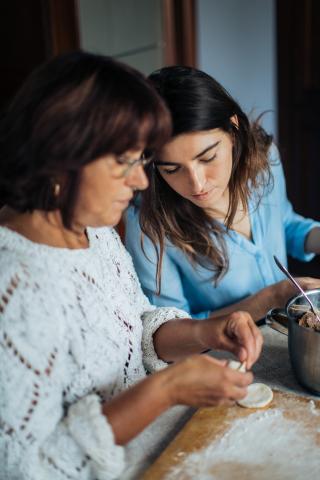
[219, 209]
[44, 227]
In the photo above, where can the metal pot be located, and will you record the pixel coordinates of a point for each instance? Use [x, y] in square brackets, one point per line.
[303, 343]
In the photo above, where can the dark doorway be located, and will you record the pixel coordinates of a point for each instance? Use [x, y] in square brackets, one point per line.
[298, 29]
[31, 33]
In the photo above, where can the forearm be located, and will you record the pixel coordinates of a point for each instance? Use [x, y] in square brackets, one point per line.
[134, 409]
[312, 242]
[181, 338]
[257, 305]
[178, 338]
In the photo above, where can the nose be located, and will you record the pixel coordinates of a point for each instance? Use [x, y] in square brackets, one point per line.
[137, 178]
[196, 179]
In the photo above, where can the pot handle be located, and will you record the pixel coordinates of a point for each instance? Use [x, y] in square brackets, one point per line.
[278, 320]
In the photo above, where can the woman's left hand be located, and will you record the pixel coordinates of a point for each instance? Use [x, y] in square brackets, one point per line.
[236, 333]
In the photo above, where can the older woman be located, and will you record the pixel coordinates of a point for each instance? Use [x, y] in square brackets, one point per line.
[76, 332]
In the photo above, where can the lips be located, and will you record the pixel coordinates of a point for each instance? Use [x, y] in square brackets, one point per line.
[199, 196]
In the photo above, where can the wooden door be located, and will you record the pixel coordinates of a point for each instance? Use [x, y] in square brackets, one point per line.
[33, 31]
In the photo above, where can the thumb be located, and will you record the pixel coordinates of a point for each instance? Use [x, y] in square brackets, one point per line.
[242, 354]
[239, 351]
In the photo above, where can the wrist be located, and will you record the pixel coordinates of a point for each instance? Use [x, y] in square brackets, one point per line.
[202, 332]
[166, 385]
[209, 331]
[283, 293]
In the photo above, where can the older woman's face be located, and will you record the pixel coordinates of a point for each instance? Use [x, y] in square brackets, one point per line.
[105, 192]
[198, 166]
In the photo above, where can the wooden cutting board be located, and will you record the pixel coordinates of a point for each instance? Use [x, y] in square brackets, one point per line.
[210, 424]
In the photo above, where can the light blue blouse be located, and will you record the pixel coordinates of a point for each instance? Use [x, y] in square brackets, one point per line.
[276, 230]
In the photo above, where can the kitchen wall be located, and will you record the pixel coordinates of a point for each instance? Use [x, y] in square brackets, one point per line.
[130, 30]
[237, 45]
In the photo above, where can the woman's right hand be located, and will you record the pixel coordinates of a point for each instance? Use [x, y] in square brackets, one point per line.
[200, 381]
[197, 381]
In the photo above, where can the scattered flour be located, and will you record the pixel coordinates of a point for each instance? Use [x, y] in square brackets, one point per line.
[262, 446]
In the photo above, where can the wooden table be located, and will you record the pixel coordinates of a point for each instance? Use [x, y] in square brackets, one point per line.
[273, 368]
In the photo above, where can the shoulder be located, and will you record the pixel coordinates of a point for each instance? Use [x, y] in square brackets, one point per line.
[270, 181]
[276, 167]
[273, 191]
[138, 244]
[30, 303]
[20, 270]
[273, 153]
[132, 219]
[274, 158]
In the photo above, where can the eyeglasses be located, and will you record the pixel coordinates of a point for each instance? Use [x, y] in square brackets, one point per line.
[128, 164]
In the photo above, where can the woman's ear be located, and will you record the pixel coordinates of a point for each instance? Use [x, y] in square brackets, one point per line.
[234, 120]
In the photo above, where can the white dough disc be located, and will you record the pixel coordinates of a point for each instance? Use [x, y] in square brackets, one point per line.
[259, 395]
[235, 365]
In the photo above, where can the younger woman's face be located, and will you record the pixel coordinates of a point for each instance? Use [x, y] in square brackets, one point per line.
[198, 167]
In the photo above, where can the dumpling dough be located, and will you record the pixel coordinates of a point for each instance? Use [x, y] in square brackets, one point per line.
[241, 367]
[259, 396]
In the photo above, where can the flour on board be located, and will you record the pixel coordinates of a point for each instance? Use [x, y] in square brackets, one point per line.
[262, 445]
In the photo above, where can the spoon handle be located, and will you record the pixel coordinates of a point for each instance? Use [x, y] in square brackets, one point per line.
[285, 271]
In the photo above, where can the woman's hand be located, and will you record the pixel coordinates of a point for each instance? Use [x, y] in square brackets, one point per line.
[275, 295]
[236, 333]
[284, 290]
[201, 380]
[197, 381]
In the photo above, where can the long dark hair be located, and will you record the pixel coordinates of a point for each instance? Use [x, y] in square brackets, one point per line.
[72, 110]
[197, 102]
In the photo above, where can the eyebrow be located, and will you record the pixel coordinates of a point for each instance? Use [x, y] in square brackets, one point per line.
[210, 147]
[206, 150]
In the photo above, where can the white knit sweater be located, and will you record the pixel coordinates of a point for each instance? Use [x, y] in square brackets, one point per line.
[75, 329]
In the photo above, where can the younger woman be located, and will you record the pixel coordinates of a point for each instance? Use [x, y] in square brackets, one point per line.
[216, 209]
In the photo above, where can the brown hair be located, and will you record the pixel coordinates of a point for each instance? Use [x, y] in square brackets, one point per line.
[197, 102]
[71, 111]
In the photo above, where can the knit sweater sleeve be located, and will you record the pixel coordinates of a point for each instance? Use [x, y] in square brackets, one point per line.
[41, 436]
[151, 316]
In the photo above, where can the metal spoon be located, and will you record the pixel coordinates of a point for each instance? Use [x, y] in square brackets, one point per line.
[285, 271]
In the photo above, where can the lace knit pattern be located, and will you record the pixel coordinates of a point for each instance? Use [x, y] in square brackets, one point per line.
[75, 330]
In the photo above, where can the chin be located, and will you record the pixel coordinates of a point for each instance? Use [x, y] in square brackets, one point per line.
[106, 221]
[202, 204]
[113, 222]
